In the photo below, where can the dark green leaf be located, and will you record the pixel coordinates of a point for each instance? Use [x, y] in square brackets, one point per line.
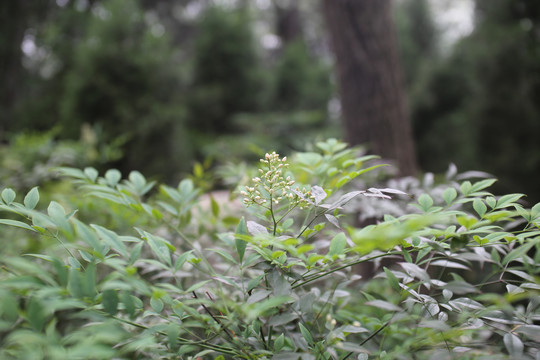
[36, 314]
[514, 345]
[279, 342]
[392, 279]
[241, 229]
[129, 304]
[109, 300]
[306, 334]
[518, 252]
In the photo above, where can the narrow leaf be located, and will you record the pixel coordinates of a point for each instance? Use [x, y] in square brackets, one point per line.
[241, 229]
[16, 223]
[306, 334]
[319, 194]
[333, 220]
[385, 305]
[392, 279]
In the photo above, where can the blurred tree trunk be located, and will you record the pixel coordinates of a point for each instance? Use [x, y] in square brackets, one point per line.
[12, 27]
[288, 22]
[370, 79]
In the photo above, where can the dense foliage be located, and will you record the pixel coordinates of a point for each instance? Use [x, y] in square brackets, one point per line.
[486, 84]
[153, 271]
[159, 81]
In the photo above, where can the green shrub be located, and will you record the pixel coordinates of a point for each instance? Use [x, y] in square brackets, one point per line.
[460, 276]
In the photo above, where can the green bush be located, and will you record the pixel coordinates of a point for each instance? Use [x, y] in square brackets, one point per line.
[459, 275]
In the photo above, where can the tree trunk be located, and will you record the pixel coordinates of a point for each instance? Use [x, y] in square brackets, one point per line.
[370, 79]
[288, 23]
[12, 26]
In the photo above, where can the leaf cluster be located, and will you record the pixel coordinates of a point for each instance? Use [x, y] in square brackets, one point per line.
[457, 276]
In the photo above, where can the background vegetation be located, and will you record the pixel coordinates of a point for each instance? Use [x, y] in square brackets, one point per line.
[172, 75]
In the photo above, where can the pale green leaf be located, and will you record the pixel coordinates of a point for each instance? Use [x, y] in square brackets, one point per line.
[32, 198]
[8, 195]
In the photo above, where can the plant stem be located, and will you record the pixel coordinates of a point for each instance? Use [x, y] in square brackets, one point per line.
[316, 277]
[370, 337]
[202, 344]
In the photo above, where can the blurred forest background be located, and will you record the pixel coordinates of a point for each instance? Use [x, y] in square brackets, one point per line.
[161, 85]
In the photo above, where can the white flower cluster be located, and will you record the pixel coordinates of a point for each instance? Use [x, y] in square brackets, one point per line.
[272, 187]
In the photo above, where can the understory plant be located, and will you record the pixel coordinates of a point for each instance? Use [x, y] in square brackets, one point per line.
[278, 274]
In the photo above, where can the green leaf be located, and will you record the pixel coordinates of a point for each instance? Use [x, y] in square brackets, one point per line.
[197, 286]
[466, 188]
[514, 345]
[535, 211]
[8, 195]
[16, 223]
[306, 334]
[113, 176]
[490, 200]
[519, 252]
[160, 246]
[479, 207]
[75, 286]
[32, 198]
[385, 305]
[109, 300]
[481, 185]
[337, 245]
[10, 306]
[88, 236]
[241, 229]
[91, 173]
[156, 304]
[111, 239]
[449, 195]
[89, 280]
[425, 201]
[225, 255]
[179, 262]
[507, 200]
[279, 342]
[392, 279]
[56, 211]
[137, 179]
[129, 304]
[173, 331]
[342, 181]
[253, 283]
[71, 172]
[215, 206]
[36, 314]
